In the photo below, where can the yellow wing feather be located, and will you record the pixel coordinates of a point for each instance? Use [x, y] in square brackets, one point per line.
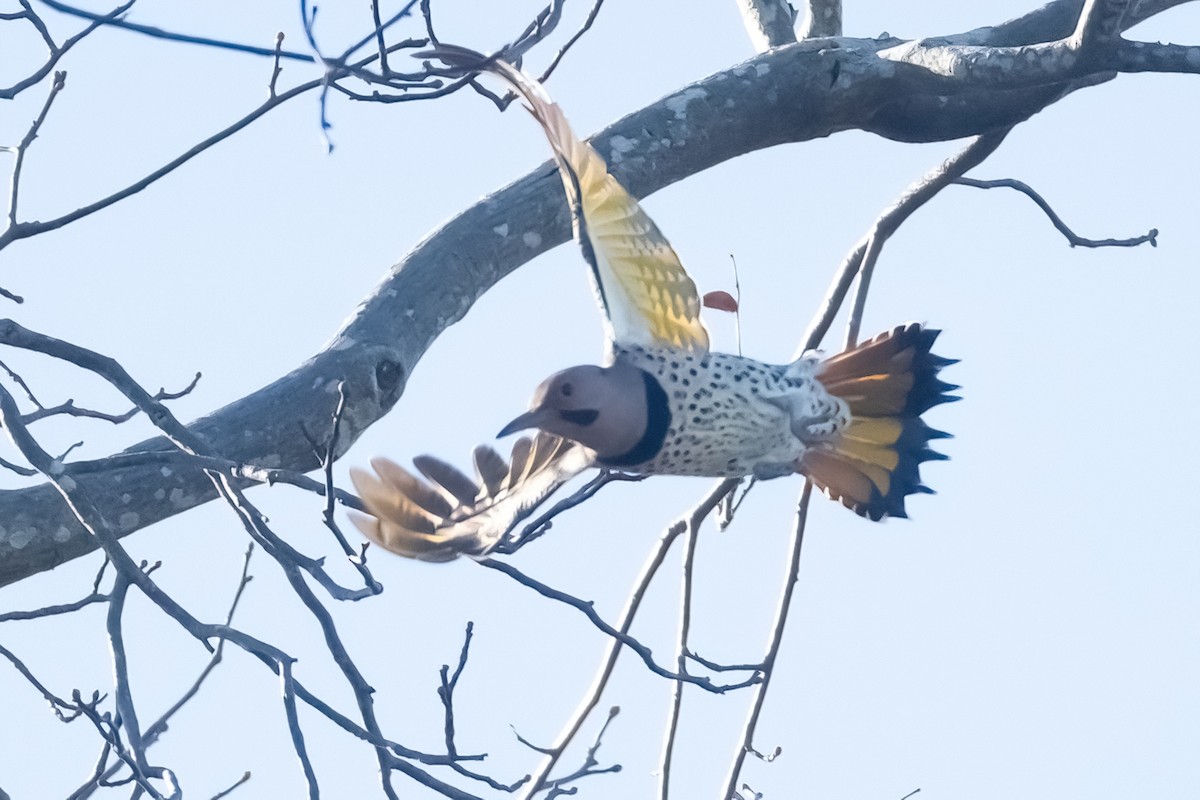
[646, 294]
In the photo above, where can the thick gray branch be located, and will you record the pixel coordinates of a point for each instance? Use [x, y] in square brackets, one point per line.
[770, 23]
[1100, 22]
[796, 93]
[821, 18]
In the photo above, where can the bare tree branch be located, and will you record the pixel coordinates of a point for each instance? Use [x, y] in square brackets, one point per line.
[821, 18]
[159, 727]
[545, 521]
[915, 196]
[781, 616]
[56, 51]
[421, 85]
[113, 20]
[23, 230]
[590, 763]
[621, 636]
[575, 37]
[60, 80]
[1074, 239]
[770, 23]
[1157, 57]
[226, 792]
[1099, 22]
[681, 653]
[609, 662]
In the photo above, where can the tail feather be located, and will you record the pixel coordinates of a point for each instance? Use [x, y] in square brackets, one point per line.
[887, 383]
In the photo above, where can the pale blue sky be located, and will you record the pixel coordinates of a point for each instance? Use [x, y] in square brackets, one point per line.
[1031, 632]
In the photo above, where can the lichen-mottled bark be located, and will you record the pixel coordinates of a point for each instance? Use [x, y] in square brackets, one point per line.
[821, 18]
[769, 23]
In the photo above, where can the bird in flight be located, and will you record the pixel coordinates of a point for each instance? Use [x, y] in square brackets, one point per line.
[662, 403]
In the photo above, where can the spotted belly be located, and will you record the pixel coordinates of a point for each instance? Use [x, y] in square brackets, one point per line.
[726, 417]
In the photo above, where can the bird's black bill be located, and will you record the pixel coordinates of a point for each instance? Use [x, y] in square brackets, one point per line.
[530, 419]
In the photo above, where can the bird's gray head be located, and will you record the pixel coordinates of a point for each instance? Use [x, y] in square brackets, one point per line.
[603, 408]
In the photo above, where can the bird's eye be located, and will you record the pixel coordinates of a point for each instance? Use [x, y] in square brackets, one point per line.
[566, 389]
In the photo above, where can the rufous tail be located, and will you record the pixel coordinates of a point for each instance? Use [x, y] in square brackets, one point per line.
[888, 383]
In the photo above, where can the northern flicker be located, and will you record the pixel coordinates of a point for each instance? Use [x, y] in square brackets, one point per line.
[662, 403]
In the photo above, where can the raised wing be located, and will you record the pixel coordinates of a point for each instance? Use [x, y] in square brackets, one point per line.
[647, 297]
[449, 514]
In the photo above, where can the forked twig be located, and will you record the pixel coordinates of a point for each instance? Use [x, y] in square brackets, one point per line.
[19, 151]
[609, 662]
[159, 726]
[621, 636]
[915, 196]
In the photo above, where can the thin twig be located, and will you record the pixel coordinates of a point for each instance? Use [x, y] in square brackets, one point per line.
[59, 706]
[159, 727]
[226, 792]
[681, 656]
[334, 71]
[328, 457]
[93, 522]
[915, 196]
[866, 270]
[60, 80]
[297, 735]
[182, 437]
[21, 382]
[24, 230]
[590, 762]
[383, 63]
[541, 26]
[69, 408]
[90, 518]
[715, 667]
[589, 610]
[737, 297]
[108, 729]
[405, 11]
[1072, 238]
[575, 37]
[123, 693]
[98, 770]
[292, 564]
[57, 52]
[545, 521]
[55, 610]
[111, 20]
[781, 615]
[276, 69]
[447, 684]
[609, 662]
[26, 472]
